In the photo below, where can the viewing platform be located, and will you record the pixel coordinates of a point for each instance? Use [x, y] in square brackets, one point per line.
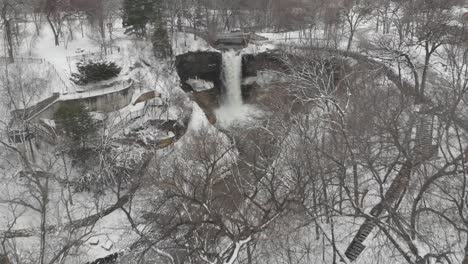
[236, 40]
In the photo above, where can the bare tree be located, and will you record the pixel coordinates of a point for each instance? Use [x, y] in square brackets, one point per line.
[56, 12]
[9, 11]
[354, 14]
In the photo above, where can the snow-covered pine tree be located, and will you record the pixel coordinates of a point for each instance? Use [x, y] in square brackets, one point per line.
[136, 15]
[94, 71]
[76, 123]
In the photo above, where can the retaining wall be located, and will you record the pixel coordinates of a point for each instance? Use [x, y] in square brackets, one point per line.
[95, 102]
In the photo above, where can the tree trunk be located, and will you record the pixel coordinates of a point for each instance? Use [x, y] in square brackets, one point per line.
[8, 33]
[427, 60]
[350, 40]
[44, 202]
[179, 22]
[9, 40]
[54, 30]
[102, 27]
[377, 24]
[465, 259]
[37, 23]
[249, 254]
[102, 24]
[356, 185]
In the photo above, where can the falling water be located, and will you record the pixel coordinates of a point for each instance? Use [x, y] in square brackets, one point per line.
[232, 110]
[232, 69]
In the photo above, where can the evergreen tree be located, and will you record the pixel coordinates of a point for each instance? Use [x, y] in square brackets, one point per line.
[136, 15]
[159, 37]
[76, 122]
[94, 71]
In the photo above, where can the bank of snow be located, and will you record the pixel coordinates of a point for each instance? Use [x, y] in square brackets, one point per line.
[187, 42]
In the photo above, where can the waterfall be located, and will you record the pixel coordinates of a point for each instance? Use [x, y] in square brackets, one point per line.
[232, 110]
[232, 77]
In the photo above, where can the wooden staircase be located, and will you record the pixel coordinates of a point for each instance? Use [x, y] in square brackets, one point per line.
[423, 150]
[423, 147]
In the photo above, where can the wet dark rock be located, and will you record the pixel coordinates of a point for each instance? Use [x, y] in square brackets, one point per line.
[269, 61]
[204, 65]
[110, 259]
[208, 66]
[248, 91]
[249, 66]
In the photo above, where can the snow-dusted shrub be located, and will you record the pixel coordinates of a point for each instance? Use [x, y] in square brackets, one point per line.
[98, 182]
[94, 71]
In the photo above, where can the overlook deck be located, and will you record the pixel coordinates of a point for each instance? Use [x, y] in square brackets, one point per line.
[236, 40]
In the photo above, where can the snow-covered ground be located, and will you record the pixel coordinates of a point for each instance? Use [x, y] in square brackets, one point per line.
[149, 74]
[54, 68]
[188, 42]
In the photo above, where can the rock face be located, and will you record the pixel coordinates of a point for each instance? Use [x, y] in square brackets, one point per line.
[205, 65]
[249, 66]
[208, 101]
[248, 91]
[269, 61]
[208, 66]
[252, 64]
[110, 259]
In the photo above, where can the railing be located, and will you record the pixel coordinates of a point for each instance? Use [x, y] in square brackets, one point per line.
[29, 130]
[139, 113]
[18, 135]
[65, 87]
[75, 96]
[44, 134]
[123, 120]
[39, 111]
[86, 56]
[125, 84]
[92, 55]
[22, 59]
[24, 114]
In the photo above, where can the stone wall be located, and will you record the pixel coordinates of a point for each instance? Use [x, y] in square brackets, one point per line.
[205, 65]
[249, 65]
[105, 103]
